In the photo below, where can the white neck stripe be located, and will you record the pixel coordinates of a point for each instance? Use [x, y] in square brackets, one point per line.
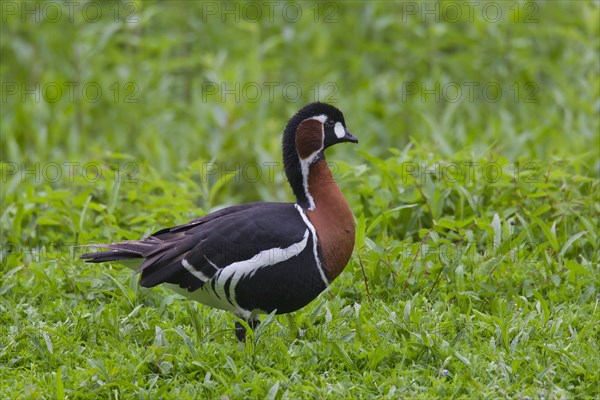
[306, 162]
[321, 118]
[315, 249]
[305, 167]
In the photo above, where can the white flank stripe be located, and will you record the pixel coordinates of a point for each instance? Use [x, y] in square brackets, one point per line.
[241, 269]
[194, 271]
[315, 251]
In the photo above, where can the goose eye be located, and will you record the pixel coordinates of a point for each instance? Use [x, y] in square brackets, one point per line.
[329, 123]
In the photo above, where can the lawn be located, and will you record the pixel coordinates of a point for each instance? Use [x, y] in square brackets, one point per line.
[475, 189]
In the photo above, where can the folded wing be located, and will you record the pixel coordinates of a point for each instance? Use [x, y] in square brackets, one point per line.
[190, 255]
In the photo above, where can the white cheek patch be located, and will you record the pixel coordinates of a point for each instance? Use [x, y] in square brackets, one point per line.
[339, 130]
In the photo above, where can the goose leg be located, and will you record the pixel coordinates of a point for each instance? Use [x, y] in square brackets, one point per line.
[240, 330]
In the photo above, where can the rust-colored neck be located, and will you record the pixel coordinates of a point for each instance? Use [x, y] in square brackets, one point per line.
[332, 219]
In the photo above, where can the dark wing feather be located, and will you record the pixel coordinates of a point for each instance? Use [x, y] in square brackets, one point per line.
[152, 245]
[209, 243]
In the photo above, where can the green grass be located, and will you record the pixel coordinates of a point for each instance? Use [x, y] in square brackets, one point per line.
[476, 267]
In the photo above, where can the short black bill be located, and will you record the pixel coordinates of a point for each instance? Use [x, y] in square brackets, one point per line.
[349, 137]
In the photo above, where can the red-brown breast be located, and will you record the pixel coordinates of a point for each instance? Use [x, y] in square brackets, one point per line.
[332, 219]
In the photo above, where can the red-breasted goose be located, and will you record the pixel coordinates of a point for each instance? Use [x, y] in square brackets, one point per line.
[258, 257]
